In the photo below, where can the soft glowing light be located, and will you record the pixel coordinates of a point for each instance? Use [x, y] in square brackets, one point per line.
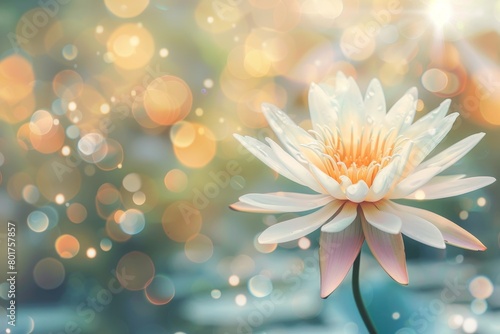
[216, 293]
[91, 253]
[469, 325]
[455, 321]
[440, 12]
[234, 280]
[59, 198]
[481, 287]
[304, 243]
[72, 106]
[420, 195]
[105, 108]
[241, 300]
[66, 150]
[163, 52]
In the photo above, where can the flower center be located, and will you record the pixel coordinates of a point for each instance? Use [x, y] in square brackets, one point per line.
[359, 155]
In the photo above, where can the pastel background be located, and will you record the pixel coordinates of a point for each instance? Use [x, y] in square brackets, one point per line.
[118, 164]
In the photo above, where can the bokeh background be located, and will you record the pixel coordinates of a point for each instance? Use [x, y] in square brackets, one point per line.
[118, 164]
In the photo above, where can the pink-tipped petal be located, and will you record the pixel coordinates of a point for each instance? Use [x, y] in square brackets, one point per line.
[384, 221]
[337, 252]
[452, 233]
[416, 227]
[389, 251]
[298, 227]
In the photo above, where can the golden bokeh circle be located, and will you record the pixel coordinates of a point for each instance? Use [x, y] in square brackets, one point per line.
[131, 46]
[176, 180]
[167, 100]
[201, 150]
[126, 8]
[16, 78]
[67, 246]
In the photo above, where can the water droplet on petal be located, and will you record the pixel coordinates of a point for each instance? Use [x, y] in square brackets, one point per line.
[432, 131]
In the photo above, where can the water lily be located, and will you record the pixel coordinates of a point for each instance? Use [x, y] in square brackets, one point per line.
[358, 159]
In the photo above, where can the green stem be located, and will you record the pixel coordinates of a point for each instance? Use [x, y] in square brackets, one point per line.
[357, 297]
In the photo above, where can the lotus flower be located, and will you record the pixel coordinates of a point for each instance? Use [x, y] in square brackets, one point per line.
[358, 159]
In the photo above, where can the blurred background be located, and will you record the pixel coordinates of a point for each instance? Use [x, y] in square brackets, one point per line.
[117, 162]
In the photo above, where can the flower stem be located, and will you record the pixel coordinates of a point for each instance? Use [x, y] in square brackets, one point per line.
[357, 297]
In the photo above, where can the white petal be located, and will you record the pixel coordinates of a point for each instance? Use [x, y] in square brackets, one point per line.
[290, 134]
[323, 114]
[352, 111]
[343, 219]
[384, 180]
[449, 189]
[416, 227]
[374, 102]
[357, 192]
[295, 168]
[384, 221]
[401, 114]
[345, 182]
[452, 233]
[265, 154]
[429, 120]
[444, 179]
[389, 251]
[245, 207]
[413, 181]
[298, 227]
[337, 252]
[429, 139]
[328, 183]
[452, 154]
[404, 168]
[286, 202]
